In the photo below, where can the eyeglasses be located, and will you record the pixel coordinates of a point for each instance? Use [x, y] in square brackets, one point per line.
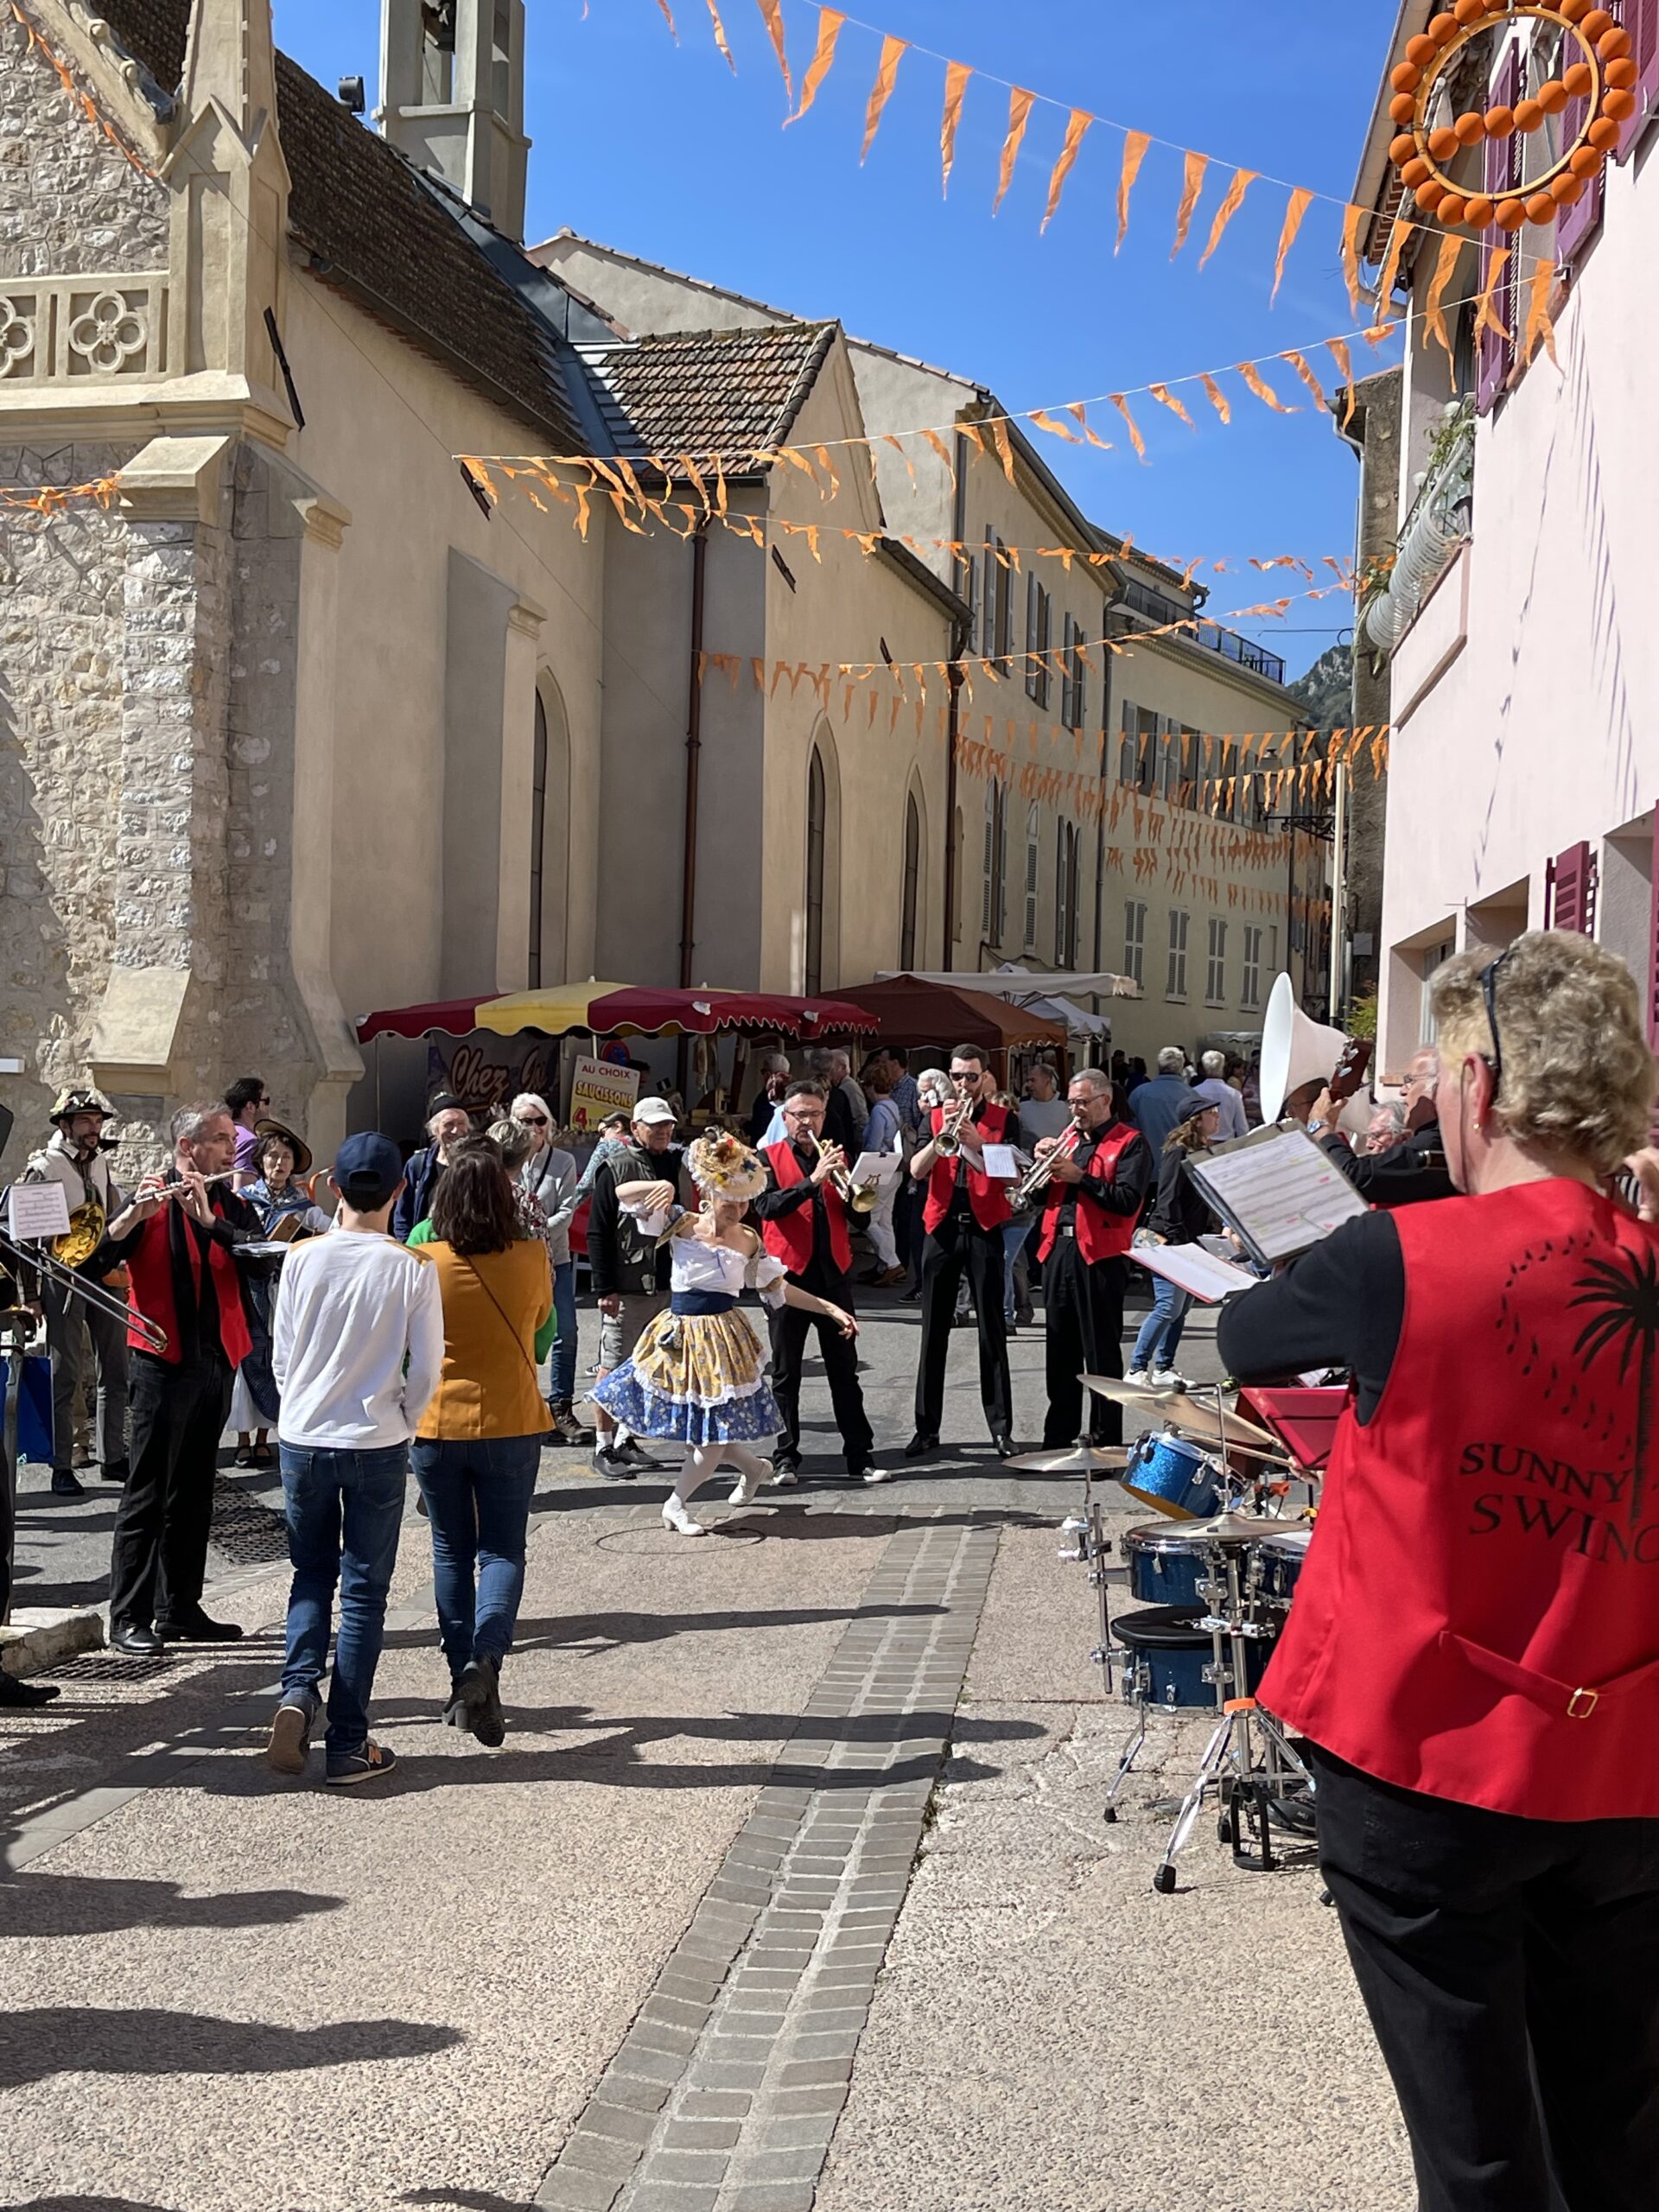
[1494, 1059]
[533, 1121]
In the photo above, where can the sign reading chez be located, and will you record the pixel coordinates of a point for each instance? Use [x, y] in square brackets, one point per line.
[490, 1075]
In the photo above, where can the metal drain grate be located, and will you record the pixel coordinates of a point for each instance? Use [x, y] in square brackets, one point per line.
[246, 1532]
[107, 1667]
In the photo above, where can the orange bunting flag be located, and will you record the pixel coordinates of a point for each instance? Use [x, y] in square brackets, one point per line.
[1539, 325]
[772, 10]
[1076, 128]
[1434, 313]
[1079, 416]
[1488, 318]
[1300, 201]
[829, 25]
[1135, 438]
[893, 51]
[1351, 223]
[1004, 450]
[719, 37]
[668, 19]
[1166, 397]
[1387, 280]
[956, 74]
[1135, 143]
[1192, 185]
[1020, 106]
[1242, 180]
[1218, 398]
[944, 452]
[1303, 368]
[1337, 349]
[1045, 421]
[1261, 388]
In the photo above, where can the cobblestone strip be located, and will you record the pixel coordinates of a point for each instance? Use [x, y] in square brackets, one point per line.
[728, 2086]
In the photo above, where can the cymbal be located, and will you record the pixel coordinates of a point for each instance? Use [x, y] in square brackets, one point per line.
[1075, 1459]
[1223, 1528]
[1271, 1455]
[1128, 1393]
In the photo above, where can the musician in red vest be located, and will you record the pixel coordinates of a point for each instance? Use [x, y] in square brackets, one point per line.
[1102, 1174]
[178, 1236]
[804, 1224]
[963, 1217]
[1472, 1654]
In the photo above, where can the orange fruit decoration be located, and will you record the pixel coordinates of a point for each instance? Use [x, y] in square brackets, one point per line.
[1416, 173]
[1511, 213]
[1471, 128]
[1552, 96]
[1429, 196]
[1613, 45]
[1584, 162]
[1480, 210]
[1500, 122]
[1618, 105]
[1567, 189]
[1572, 11]
[1443, 144]
[1541, 208]
[1592, 25]
[1451, 208]
[1443, 29]
[1401, 149]
[1580, 80]
[1603, 133]
[1403, 107]
[1469, 11]
[1405, 78]
[1422, 50]
[1622, 75]
[1528, 115]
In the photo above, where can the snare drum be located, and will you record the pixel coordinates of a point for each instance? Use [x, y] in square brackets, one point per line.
[1164, 1569]
[1167, 1654]
[1175, 1477]
[1278, 1561]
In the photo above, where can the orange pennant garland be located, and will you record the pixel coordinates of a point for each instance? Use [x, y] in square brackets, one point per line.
[1135, 438]
[1339, 351]
[1218, 398]
[1300, 201]
[1539, 325]
[1304, 369]
[720, 40]
[1079, 414]
[668, 19]
[829, 24]
[1242, 180]
[1019, 107]
[1385, 282]
[772, 12]
[1434, 313]
[1075, 129]
[1488, 317]
[892, 52]
[1004, 449]
[1045, 421]
[1192, 185]
[1351, 223]
[956, 74]
[1135, 143]
[1166, 397]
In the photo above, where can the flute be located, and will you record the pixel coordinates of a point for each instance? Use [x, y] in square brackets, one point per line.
[177, 1190]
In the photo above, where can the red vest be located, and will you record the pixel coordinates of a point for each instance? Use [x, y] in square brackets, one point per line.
[990, 1200]
[790, 1237]
[1101, 1234]
[150, 1261]
[1478, 1618]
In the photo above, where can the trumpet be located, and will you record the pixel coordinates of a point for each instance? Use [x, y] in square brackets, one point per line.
[947, 1143]
[862, 1198]
[1036, 1176]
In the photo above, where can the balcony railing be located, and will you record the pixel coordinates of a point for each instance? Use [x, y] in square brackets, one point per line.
[82, 329]
[1228, 643]
[1436, 526]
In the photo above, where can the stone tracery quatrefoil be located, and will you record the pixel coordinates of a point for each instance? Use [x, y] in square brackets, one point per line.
[17, 336]
[109, 333]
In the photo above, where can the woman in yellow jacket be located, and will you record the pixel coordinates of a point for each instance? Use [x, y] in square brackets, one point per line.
[478, 1447]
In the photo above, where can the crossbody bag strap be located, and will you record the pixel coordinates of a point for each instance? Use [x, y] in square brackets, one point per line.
[506, 1321]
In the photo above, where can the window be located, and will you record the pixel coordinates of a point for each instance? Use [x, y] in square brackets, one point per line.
[1126, 742]
[1038, 614]
[1065, 895]
[1216, 967]
[993, 913]
[1250, 995]
[912, 883]
[1074, 681]
[812, 980]
[1428, 1028]
[1146, 749]
[1169, 750]
[971, 596]
[1031, 824]
[998, 592]
[1191, 744]
[537, 841]
[1135, 940]
[1175, 986]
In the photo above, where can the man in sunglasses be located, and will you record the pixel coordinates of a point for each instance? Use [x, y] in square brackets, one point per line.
[1409, 1172]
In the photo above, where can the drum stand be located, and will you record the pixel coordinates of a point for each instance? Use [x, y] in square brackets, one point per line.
[1091, 1546]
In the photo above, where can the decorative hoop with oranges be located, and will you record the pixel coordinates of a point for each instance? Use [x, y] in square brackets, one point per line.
[1604, 76]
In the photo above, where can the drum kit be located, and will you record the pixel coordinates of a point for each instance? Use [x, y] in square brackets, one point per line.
[1214, 1579]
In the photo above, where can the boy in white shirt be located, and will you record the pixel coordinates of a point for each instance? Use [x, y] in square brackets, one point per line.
[357, 1350]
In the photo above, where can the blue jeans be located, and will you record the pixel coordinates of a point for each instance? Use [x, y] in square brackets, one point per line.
[344, 1510]
[1160, 1333]
[562, 1360]
[478, 1491]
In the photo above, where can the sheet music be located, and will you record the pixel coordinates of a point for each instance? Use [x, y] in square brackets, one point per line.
[39, 1210]
[999, 1163]
[1278, 1189]
[1195, 1270]
[874, 1167]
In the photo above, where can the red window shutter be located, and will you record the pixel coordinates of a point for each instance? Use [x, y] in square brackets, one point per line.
[1572, 879]
[1502, 172]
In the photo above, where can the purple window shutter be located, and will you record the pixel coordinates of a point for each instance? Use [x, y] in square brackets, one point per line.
[1497, 353]
[1573, 905]
[1642, 21]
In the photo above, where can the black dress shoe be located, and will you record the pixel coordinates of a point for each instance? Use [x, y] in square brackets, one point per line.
[785, 1463]
[138, 1643]
[199, 1630]
[923, 1441]
[1002, 1445]
[66, 1484]
[16, 1694]
[115, 1472]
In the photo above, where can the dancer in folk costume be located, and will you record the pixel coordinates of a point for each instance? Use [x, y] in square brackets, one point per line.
[696, 1377]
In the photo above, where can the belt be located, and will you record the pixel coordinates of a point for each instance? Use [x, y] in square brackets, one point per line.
[689, 1302]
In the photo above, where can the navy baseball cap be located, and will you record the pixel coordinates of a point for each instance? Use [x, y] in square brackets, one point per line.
[367, 1169]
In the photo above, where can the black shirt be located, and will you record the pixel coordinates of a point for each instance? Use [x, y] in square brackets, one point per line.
[1130, 1180]
[820, 1275]
[1343, 1304]
[1404, 1176]
[760, 1115]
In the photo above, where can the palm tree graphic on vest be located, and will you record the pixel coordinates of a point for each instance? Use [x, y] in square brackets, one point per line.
[1625, 1294]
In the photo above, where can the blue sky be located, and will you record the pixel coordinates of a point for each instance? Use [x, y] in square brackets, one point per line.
[661, 149]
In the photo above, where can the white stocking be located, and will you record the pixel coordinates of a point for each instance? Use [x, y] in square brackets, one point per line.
[747, 1463]
[701, 1462]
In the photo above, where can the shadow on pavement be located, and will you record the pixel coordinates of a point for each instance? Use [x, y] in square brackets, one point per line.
[37, 1906]
[80, 2039]
[463, 2200]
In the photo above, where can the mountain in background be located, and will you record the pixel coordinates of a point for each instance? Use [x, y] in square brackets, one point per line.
[1327, 690]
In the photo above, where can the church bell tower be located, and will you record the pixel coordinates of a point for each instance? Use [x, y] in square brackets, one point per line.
[451, 98]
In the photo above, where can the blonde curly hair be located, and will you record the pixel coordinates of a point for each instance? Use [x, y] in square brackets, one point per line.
[1577, 1074]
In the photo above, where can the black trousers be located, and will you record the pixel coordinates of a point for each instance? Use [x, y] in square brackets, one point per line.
[789, 1328]
[1511, 1968]
[1083, 1311]
[957, 1244]
[160, 1553]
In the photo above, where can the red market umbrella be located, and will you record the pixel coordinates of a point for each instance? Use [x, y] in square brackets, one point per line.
[614, 1009]
[913, 1012]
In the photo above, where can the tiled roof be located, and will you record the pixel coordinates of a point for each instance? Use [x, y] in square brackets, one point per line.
[387, 237]
[727, 391]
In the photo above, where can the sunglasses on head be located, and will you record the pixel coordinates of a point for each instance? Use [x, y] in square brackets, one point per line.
[1494, 1059]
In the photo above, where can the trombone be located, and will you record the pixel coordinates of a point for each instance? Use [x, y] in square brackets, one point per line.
[862, 1198]
[68, 1279]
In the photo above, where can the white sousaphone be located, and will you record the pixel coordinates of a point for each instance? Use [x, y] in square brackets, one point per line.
[1297, 1050]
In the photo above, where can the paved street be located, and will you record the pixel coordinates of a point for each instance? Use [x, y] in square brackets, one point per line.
[789, 1886]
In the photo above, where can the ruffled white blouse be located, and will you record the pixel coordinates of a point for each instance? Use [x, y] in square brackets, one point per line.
[697, 1266]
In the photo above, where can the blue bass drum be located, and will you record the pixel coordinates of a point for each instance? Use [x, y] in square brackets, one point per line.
[1164, 1569]
[1167, 1473]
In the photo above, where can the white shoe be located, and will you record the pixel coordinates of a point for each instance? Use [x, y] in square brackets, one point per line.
[1165, 1378]
[878, 1474]
[676, 1516]
[745, 1489]
[1139, 1377]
